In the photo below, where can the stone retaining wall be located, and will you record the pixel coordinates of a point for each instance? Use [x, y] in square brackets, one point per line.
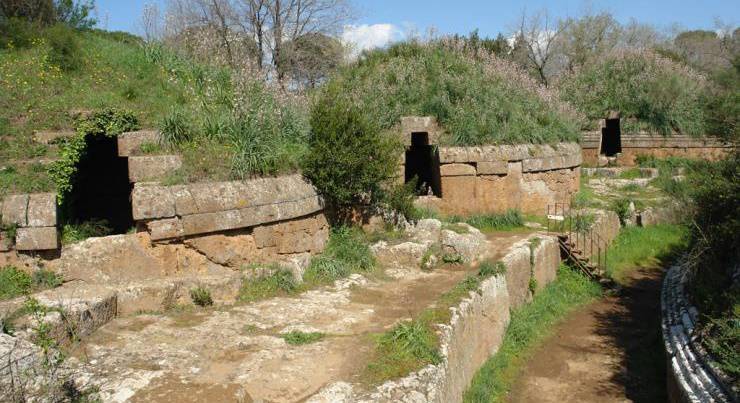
[34, 217]
[492, 179]
[708, 148]
[691, 376]
[476, 329]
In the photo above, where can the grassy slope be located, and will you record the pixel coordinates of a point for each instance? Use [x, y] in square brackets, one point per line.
[532, 324]
[36, 95]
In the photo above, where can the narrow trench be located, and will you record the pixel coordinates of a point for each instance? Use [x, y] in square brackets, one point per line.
[608, 351]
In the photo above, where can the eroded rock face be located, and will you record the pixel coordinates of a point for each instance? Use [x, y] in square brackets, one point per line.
[467, 245]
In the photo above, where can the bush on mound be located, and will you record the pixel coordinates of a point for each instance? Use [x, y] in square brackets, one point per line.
[651, 93]
[478, 98]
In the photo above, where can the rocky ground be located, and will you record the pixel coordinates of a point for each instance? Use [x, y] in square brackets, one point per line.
[235, 351]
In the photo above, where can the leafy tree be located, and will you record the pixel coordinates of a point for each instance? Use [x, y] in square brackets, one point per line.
[75, 13]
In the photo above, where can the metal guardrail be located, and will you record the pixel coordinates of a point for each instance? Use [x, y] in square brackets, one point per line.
[581, 246]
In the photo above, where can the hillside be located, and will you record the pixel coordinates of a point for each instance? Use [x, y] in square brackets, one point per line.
[36, 95]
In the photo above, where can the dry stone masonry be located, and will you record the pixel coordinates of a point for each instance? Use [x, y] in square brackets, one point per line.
[35, 218]
[497, 178]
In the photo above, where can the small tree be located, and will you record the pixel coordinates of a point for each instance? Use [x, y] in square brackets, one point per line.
[349, 158]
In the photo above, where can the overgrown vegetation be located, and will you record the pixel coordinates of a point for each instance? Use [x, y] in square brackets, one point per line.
[651, 92]
[530, 325]
[477, 97]
[714, 191]
[15, 282]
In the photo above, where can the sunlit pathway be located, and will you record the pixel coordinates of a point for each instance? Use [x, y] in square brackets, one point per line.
[609, 351]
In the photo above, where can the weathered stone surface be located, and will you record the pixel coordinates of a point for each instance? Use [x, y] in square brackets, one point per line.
[426, 231]
[42, 210]
[167, 228]
[545, 259]
[469, 245]
[86, 308]
[48, 137]
[152, 202]
[6, 244]
[152, 167]
[403, 254]
[15, 208]
[38, 238]
[130, 143]
[457, 170]
[518, 273]
[420, 124]
[493, 168]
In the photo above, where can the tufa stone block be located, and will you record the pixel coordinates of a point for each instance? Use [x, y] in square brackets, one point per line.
[146, 168]
[457, 170]
[130, 143]
[493, 168]
[42, 210]
[31, 239]
[15, 208]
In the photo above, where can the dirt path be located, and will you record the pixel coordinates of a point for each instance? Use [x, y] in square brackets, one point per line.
[609, 351]
[230, 353]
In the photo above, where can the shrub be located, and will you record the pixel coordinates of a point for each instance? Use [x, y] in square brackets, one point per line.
[201, 296]
[17, 33]
[64, 47]
[408, 346]
[349, 158]
[477, 97]
[46, 279]
[651, 93]
[622, 208]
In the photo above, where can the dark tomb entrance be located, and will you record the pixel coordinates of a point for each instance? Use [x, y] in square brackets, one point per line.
[611, 138]
[422, 163]
[101, 192]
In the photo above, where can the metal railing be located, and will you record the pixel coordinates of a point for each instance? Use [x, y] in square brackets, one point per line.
[581, 246]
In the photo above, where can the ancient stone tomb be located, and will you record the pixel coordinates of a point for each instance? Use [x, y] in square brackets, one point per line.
[483, 179]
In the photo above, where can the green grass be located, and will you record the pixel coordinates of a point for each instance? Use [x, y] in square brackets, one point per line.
[347, 252]
[632, 173]
[15, 282]
[74, 233]
[411, 345]
[643, 246]
[201, 296]
[281, 282]
[298, 338]
[510, 220]
[530, 325]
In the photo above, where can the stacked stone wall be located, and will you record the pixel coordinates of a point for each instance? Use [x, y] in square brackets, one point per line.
[493, 179]
[34, 219]
[634, 145]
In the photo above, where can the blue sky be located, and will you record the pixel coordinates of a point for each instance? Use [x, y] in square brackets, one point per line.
[390, 19]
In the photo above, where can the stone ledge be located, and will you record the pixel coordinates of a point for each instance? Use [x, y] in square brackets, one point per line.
[508, 153]
[457, 170]
[690, 373]
[129, 143]
[147, 168]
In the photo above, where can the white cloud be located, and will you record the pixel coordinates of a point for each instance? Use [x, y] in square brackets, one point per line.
[365, 36]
